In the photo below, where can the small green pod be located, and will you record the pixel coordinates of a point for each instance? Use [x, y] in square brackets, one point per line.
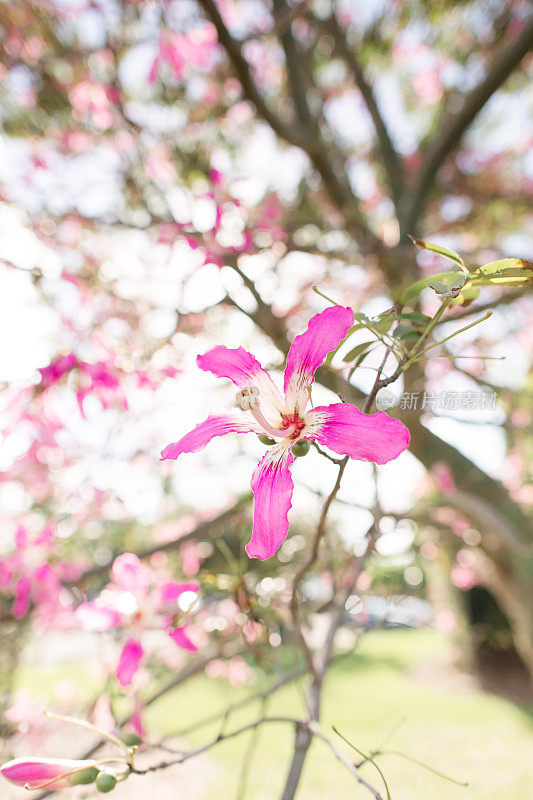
[105, 782]
[130, 738]
[88, 775]
[301, 448]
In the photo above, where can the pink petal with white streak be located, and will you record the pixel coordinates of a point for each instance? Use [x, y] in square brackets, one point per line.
[272, 487]
[215, 425]
[364, 437]
[243, 369]
[308, 351]
[35, 771]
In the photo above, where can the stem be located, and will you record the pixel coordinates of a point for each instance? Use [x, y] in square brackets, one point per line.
[89, 725]
[319, 666]
[368, 758]
[431, 325]
[456, 333]
[317, 291]
[421, 764]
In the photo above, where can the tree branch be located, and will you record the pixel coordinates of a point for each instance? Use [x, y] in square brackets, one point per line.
[390, 158]
[241, 67]
[295, 77]
[334, 179]
[504, 300]
[452, 130]
[202, 530]
[191, 669]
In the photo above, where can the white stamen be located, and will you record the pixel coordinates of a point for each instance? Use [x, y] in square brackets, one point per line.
[247, 399]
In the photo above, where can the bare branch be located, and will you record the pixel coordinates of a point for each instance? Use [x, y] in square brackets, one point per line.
[222, 737]
[252, 698]
[305, 566]
[347, 763]
[192, 668]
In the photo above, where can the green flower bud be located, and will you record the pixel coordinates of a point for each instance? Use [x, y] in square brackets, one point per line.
[88, 775]
[266, 439]
[130, 738]
[105, 782]
[301, 448]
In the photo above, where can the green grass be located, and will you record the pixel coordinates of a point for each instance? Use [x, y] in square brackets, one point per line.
[473, 737]
[397, 679]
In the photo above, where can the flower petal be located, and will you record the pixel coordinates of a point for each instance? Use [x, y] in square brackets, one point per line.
[243, 369]
[130, 657]
[308, 351]
[179, 636]
[215, 425]
[22, 597]
[95, 616]
[130, 574]
[35, 771]
[170, 592]
[364, 437]
[272, 486]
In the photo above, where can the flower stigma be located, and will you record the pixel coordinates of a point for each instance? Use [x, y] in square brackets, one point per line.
[248, 399]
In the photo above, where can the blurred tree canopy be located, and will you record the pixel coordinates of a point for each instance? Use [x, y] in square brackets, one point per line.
[173, 168]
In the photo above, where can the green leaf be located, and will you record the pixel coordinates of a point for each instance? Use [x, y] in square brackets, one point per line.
[357, 351]
[441, 251]
[358, 327]
[415, 288]
[383, 324]
[466, 295]
[407, 332]
[358, 363]
[449, 286]
[130, 738]
[416, 318]
[510, 271]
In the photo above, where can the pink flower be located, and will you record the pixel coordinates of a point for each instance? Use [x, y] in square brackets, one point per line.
[179, 636]
[102, 714]
[130, 574]
[136, 599]
[171, 591]
[56, 369]
[95, 616]
[33, 772]
[340, 426]
[22, 597]
[130, 657]
[135, 722]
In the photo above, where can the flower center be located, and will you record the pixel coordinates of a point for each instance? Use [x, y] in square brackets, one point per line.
[248, 400]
